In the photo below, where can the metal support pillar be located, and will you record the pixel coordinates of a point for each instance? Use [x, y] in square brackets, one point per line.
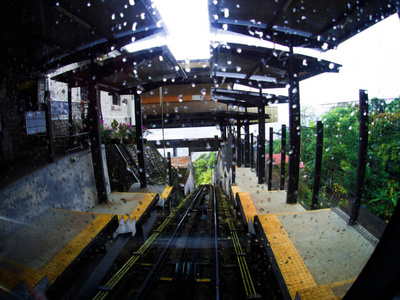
[251, 151]
[261, 141]
[247, 143]
[223, 132]
[216, 141]
[257, 158]
[171, 180]
[229, 150]
[283, 157]
[362, 156]
[70, 117]
[380, 277]
[294, 131]
[239, 143]
[139, 140]
[174, 152]
[95, 140]
[270, 159]
[49, 131]
[318, 164]
[232, 152]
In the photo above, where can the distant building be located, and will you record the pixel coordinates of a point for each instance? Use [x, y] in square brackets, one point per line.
[276, 160]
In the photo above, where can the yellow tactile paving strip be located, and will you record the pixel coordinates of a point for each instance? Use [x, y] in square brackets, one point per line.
[136, 213]
[295, 273]
[141, 207]
[167, 191]
[12, 273]
[317, 293]
[235, 189]
[249, 209]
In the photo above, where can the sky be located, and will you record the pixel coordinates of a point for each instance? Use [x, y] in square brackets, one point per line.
[371, 61]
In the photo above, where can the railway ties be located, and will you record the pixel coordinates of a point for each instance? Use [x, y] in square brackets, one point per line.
[240, 254]
[171, 254]
[195, 253]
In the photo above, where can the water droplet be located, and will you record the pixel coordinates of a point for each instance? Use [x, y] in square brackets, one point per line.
[226, 12]
[143, 16]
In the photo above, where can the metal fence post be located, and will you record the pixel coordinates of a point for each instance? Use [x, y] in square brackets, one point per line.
[318, 164]
[139, 140]
[251, 151]
[171, 181]
[283, 157]
[362, 156]
[270, 159]
[294, 130]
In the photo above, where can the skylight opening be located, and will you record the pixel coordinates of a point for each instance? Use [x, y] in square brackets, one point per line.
[188, 29]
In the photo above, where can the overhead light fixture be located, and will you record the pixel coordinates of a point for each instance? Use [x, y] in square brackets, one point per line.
[187, 24]
[155, 40]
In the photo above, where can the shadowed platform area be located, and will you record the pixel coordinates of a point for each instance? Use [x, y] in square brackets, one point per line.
[52, 241]
[317, 254]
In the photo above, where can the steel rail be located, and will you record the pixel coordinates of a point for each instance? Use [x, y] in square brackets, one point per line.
[244, 270]
[161, 259]
[216, 260]
[107, 288]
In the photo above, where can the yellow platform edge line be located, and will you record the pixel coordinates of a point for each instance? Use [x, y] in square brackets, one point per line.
[302, 212]
[142, 206]
[248, 206]
[166, 192]
[340, 283]
[92, 213]
[317, 293]
[235, 189]
[293, 269]
[9, 279]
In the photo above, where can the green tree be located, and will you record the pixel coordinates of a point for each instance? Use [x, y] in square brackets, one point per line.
[340, 155]
[204, 167]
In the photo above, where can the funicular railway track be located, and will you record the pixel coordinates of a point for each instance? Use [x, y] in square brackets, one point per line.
[195, 253]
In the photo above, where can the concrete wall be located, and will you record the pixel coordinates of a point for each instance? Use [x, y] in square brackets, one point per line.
[122, 113]
[66, 184]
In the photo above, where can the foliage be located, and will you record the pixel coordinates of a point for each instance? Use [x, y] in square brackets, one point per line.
[277, 143]
[119, 131]
[204, 167]
[340, 156]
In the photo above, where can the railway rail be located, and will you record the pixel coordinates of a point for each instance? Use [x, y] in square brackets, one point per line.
[195, 253]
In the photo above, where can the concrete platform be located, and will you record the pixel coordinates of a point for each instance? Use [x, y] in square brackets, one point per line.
[122, 204]
[315, 253]
[247, 180]
[47, 245]
[332, 250]
[272, 202]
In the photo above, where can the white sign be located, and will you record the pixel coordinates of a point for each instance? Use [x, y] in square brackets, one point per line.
[35, 122]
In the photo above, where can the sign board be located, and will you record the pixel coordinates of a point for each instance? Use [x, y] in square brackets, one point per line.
[59, 108]
[35, 122]
[198, 97]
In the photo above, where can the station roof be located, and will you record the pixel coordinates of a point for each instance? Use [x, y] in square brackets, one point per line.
[46, 35]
